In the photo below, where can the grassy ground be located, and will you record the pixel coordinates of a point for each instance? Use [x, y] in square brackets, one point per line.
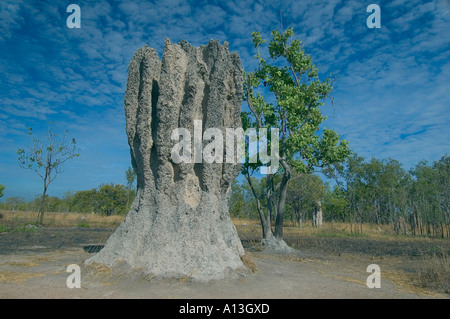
[19, 220]
[415, 262]
[423, 261]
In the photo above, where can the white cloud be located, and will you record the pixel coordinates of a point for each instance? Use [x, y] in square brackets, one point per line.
[392, 81]
[10, 19]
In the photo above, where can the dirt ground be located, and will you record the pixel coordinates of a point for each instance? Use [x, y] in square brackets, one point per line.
[33, 265]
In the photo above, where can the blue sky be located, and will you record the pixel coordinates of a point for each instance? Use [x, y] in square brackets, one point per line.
[392, 94]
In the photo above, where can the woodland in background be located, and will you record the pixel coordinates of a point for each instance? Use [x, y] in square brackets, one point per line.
[108, 199]
[415, 202]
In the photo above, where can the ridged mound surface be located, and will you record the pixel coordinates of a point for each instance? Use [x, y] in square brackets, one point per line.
[179, 223]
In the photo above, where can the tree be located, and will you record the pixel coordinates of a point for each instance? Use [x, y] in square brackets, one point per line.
[242, 201]
[382, 192]
[291, 81]
[336, 205]
[305, 195]
[430, 194]
[46, 159]
[2, 188]
[237, 201]
[442, 168]
[351, 186]
[84, 201]
[15, 203]
[130, 175]
[111, 199]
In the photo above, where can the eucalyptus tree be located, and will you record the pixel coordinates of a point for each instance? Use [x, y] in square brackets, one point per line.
[286, 93]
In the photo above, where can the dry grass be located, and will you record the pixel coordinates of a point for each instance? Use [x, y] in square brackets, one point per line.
[244, 222]
[348, 279]
[99, 269]
[329, 229]
[434, 272]
[407, 283]
[51, 219]
[248, 261]
[17, 277]
[252, 229]
[22, 264]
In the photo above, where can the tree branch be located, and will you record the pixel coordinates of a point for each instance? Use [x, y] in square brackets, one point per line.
[250, 103]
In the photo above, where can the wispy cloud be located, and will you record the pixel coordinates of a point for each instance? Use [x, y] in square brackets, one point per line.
[391, 93]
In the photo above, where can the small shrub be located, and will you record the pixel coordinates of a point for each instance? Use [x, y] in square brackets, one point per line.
[83, 224]
[28, 228]
[4, 229]
[434, 272]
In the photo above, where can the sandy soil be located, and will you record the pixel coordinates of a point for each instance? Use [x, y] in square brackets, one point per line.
[33, 265]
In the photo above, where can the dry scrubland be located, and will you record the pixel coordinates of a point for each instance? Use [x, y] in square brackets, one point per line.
[419, 265]
[18, 220]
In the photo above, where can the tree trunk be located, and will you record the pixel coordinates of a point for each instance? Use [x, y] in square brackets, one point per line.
[276, 243]
[412, 223]
[40, 219]
[179, 223]
[281, 206]
[300, 219]
[265, 222]
[317, 215]
[270, 205]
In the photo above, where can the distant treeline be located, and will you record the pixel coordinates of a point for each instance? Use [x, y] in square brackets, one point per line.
[107, 199]
[375, 191]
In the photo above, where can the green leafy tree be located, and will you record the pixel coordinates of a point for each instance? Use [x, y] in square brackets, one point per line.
[237, 201]
[382, 192]
[349, 185]
[336, 205]
[2, 188]
[242, 201]
[287, 94]
[67, 201]
[46, 158]
[111, 199]
[15, 203]
[305, 192]
[442, 168]
[84, 201]
[430, 197]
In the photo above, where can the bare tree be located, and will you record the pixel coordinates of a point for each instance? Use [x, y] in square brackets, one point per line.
[46, 158]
